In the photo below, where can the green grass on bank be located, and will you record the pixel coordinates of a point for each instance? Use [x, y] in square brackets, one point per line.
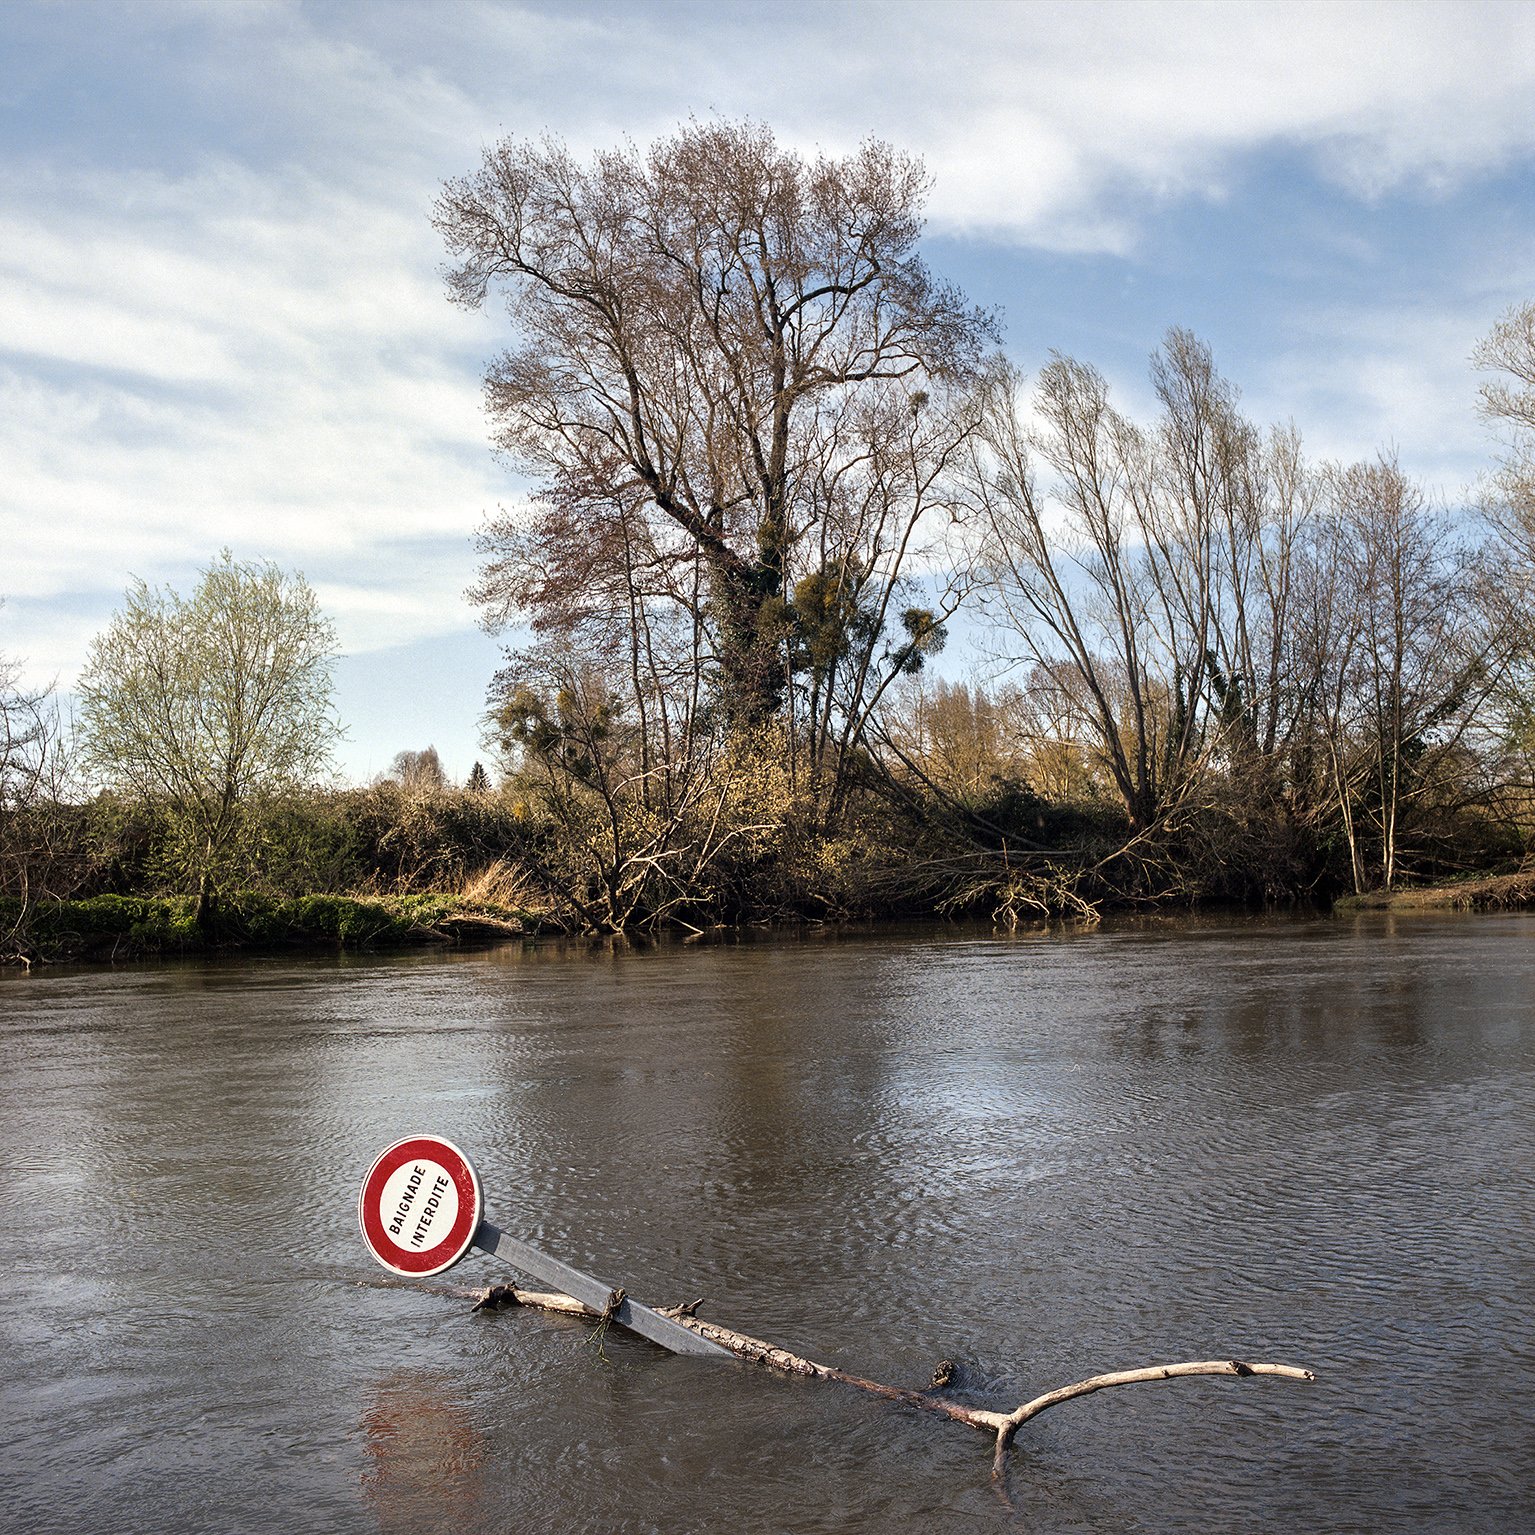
[122, 926]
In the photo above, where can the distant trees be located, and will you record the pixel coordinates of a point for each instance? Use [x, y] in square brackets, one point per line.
[1257, 655]
[33, 768]
[772, 456]
[419, 772]
[27, 732]
[752, 415]
[1149, 580]
[200, 704]
[1507, 352]
[1416, 653]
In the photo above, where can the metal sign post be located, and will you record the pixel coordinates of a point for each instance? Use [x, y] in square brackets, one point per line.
[421, 1210]
[594, 1293]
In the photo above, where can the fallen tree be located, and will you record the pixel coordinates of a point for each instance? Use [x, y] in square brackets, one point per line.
[1003, 1425]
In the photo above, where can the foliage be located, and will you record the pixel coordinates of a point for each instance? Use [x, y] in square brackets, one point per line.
[199, 705]
[117, 923]
[123, 927]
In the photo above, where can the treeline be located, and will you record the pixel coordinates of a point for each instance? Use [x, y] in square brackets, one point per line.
[777, 459]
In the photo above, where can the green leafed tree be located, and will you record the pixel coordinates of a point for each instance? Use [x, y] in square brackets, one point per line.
[201, 705]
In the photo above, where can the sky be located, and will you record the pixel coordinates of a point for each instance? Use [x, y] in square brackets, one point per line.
[223, 321]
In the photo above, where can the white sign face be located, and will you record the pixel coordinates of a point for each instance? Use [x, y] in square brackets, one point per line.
[420, 1206]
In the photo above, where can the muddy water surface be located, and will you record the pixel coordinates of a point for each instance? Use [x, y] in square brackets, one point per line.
[1041, 1156]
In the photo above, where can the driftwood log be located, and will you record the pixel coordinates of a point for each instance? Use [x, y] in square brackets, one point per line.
[1003, 1425]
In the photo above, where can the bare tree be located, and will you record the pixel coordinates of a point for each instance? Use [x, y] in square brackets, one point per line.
[1282, 659]
[696, 326]
[1149, 578]
[24, 737]
[1508, 398]
[1416, 656]
[419, 772]
[1507, 353]
[33, 770]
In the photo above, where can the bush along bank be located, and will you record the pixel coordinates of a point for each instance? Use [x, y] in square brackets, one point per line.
[107, 927]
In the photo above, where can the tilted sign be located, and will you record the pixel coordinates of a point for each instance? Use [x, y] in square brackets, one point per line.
[420, 1206]
[420, 1211]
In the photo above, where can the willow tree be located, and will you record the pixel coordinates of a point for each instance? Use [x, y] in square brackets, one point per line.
[732, 376]
[199, 705]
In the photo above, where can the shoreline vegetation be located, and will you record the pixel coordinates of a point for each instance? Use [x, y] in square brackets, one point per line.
[1494, 892]
[774, 459]
[114, 928]
[111, 929]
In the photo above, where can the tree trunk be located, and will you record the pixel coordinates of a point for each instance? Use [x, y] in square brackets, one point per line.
[1003, 1425]
[205, 902]
[745, 592]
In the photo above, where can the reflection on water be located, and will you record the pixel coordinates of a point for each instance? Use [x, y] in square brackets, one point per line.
[422, 1449]
[1043, 1155]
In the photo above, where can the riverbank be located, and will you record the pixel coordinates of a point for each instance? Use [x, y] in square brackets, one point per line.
[1503, 892]
[109, 928]
[112, 927]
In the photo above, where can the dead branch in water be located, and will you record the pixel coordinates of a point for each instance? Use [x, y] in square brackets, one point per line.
[1004, 1425]
[1013, 1421]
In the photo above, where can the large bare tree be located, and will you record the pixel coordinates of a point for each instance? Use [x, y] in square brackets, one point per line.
[716, 341]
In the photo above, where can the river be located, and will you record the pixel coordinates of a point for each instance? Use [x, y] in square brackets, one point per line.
[1308, 1141]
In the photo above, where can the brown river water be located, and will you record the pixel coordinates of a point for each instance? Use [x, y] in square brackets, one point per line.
[1043, 1156]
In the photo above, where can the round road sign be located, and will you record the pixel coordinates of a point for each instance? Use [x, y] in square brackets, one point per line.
[420, 1206]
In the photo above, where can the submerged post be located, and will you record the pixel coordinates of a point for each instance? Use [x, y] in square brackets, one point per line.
[421, 1209]
[600, 1297]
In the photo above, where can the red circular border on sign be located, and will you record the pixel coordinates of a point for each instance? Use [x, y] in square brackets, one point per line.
[460, 1236]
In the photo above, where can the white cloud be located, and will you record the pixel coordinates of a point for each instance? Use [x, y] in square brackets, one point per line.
[263, 361]
[1360, 381]
[1059, 126]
